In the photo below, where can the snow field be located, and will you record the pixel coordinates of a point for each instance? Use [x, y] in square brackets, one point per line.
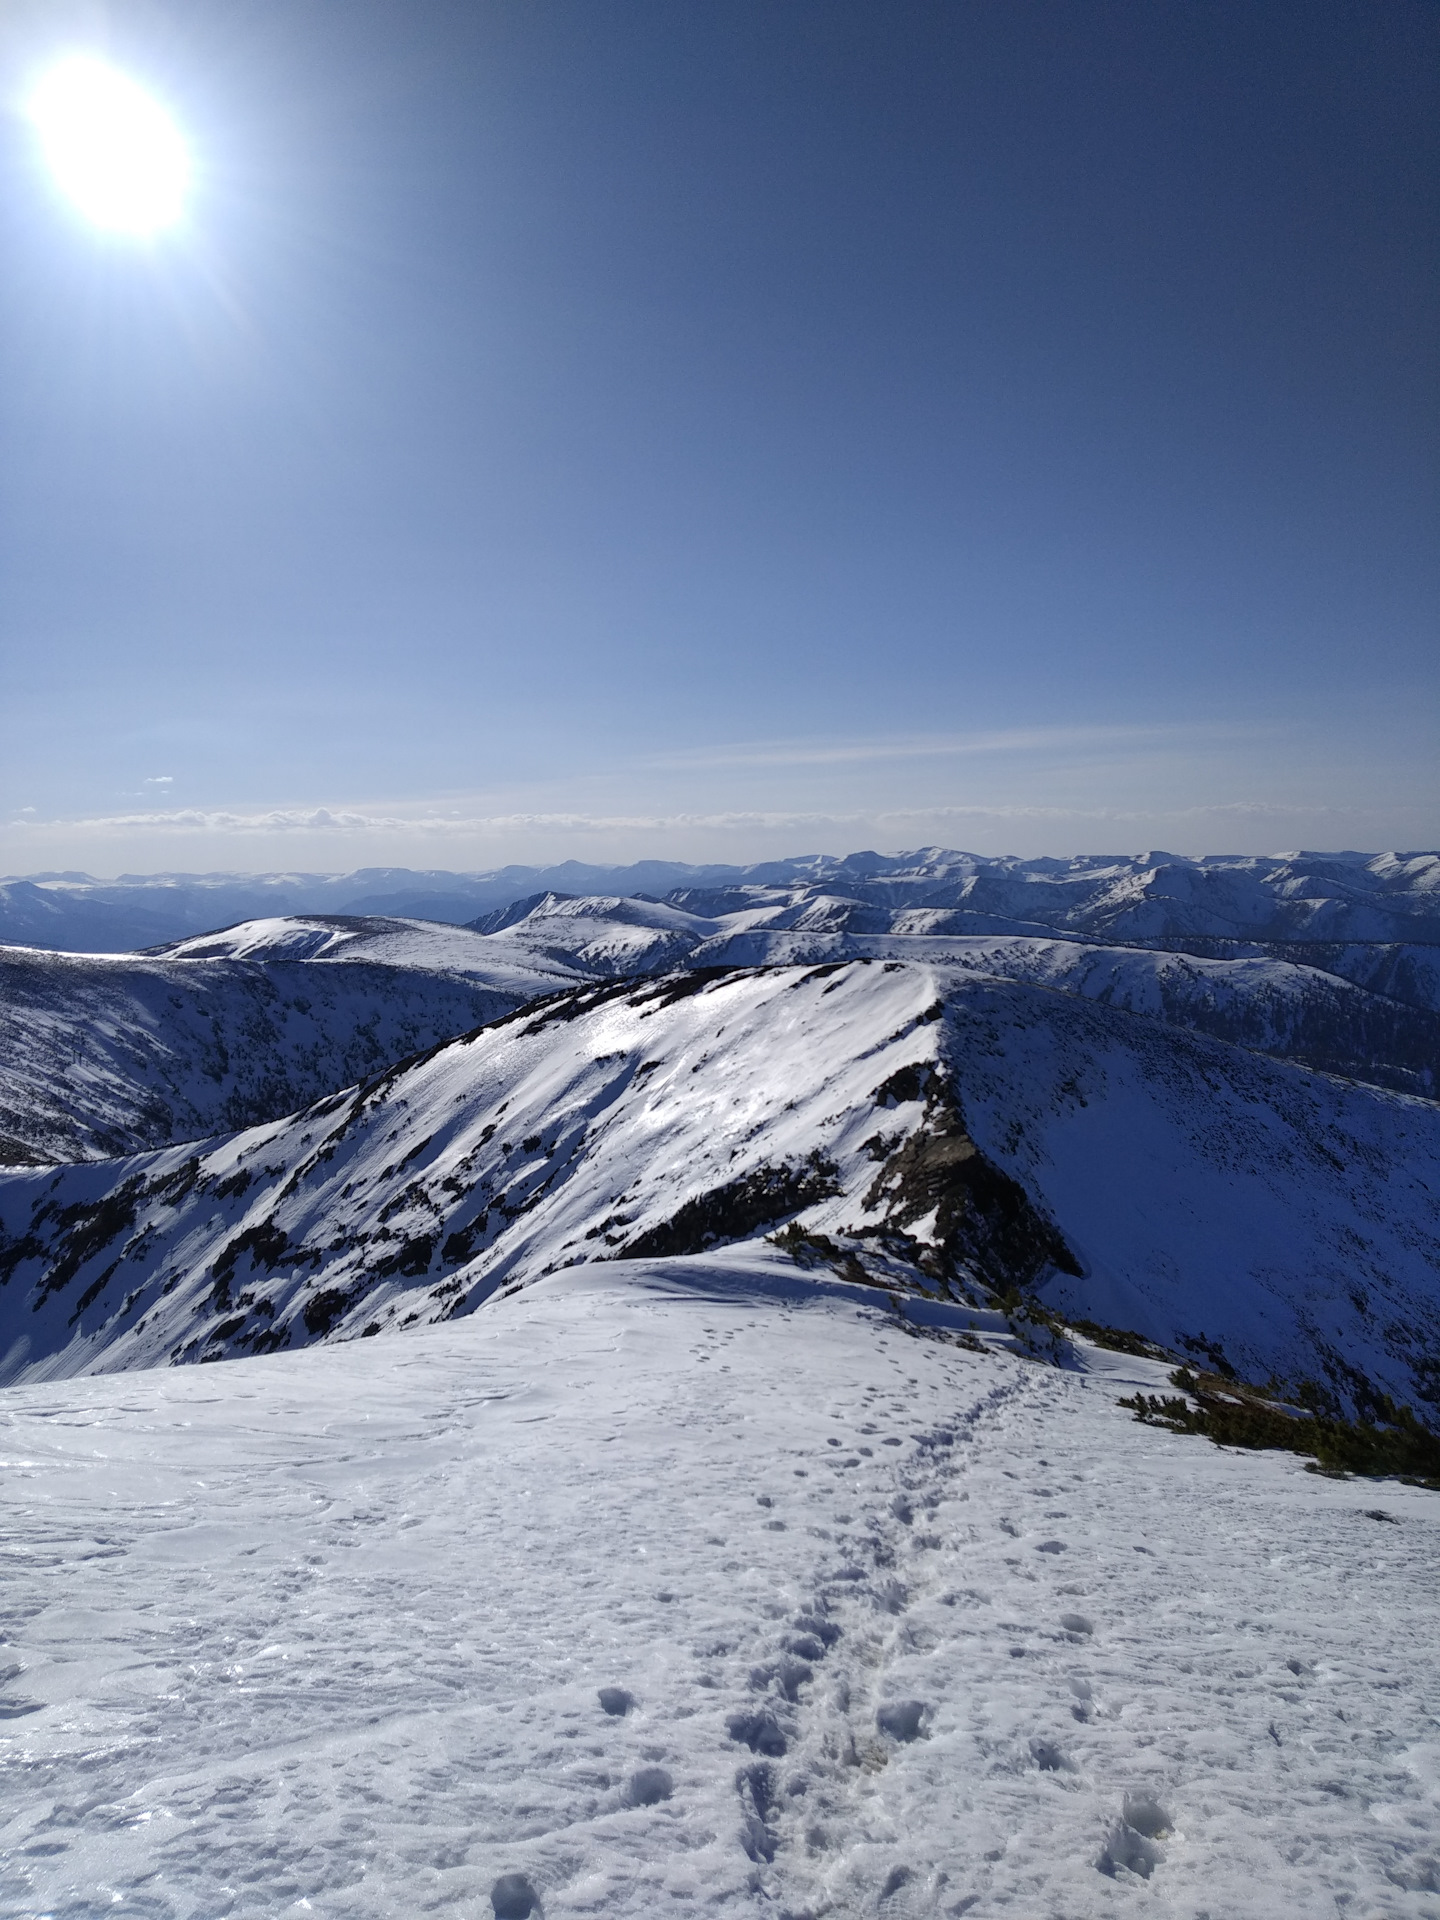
[887, 1626]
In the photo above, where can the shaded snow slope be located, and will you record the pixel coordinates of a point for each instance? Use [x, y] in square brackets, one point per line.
[1131, 897]
[944, 1131]
[687, 1587]
[104, 1055]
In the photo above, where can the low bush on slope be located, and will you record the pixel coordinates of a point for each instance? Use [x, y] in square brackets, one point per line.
[1233, 1414]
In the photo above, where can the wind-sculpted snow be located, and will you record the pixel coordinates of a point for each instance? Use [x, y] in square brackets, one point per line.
[924, 1129]
[690, 1587]
[101, 1056]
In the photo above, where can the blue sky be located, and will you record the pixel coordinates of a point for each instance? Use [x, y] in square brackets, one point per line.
[611, 429]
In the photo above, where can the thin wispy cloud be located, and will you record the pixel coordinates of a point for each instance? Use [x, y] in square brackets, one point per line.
[1024, 740]
[345, 821]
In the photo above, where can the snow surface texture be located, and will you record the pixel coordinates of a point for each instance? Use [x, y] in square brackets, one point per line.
[1131, 897]
[673, 1589]
[105, 1055]
[945, 1131]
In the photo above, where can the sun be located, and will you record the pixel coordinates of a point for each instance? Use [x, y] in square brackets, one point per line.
[113, 150]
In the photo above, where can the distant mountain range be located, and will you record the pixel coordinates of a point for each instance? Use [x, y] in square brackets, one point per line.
[1140, 898]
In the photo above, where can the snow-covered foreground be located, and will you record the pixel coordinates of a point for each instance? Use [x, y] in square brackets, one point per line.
[695, 1586]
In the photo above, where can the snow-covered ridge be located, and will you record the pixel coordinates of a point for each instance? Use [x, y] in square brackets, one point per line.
[1141, 896]
[940, 1130]
[1302, 1005]
[109, 1054]
[105, 1054]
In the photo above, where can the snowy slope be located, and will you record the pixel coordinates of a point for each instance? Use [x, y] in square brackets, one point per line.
[424, 945]
[942, 1129]
[1284, 1007]
[106, 1054]
[1130, 897]
[671, 1589]
[1363, 1011]
[605, 936]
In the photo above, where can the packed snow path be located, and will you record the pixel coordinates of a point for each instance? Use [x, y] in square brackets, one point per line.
[701, 1588]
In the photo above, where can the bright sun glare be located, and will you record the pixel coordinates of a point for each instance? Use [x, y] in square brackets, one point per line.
[113, 150]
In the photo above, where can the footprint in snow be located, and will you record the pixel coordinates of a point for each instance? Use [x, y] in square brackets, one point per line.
[902, 1719]
[755, 1786]
[1132, 1847]
[759, 1731]
[789, 1674]
[513, 1897]
[648, 1787]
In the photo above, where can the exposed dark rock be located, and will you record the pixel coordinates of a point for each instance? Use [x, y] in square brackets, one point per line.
[738, 1209]
[984, 1220]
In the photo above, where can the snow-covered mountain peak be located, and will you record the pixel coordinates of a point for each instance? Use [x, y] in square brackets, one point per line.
[1304, 895]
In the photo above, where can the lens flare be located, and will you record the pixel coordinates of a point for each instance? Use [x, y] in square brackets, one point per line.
[113, 150]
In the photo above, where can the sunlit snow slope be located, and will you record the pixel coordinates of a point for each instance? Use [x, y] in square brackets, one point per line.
[694, 1587]
[938, 1129]
[1371, 1012]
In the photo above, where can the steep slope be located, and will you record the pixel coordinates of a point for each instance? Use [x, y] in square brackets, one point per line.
[105, 1055]
[930, 1129]
[695, 1587]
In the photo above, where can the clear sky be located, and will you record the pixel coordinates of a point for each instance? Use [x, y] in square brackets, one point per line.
[621, 428]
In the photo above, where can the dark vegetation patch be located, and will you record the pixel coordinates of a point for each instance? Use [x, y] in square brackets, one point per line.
[984, 1221]
[15, 1153]
[463, 1241]
[679, 986]
[1235, 1415]
[266, 1244]
[736, 1210]
[569, 1004]
[323, 1309]
[85, 1229]
[1118, 1339]
[93, 1292]
[172, 1188]
[1211, 1350]
[810, 1250]
[412, 1196]
[411, 1259]
[27, 1246]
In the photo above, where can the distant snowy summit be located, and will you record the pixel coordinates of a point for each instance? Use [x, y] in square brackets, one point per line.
[1146, 897]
